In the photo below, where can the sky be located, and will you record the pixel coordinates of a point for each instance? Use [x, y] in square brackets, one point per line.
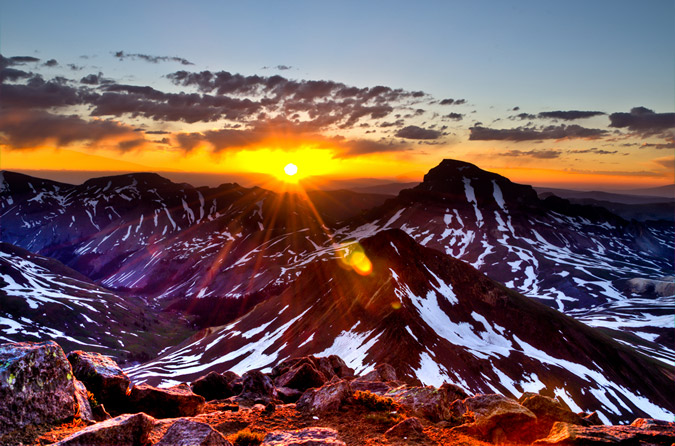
[571, 94]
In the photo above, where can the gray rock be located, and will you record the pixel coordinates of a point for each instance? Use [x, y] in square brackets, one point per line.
[83, 401]
[125, 430]
[425, 402]
[638, 433]
[497, 418]
[103, 377]
[173, 402]
[406, 428]
[312, 436]
[36, 385]
[257, 387]
[328, 398]
[382, 372]
[213, 386]
[192, 433]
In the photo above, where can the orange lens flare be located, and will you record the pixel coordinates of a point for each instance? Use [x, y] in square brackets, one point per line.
[353, 256]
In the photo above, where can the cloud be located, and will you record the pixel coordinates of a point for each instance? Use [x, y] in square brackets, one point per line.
[522, 116]
[594, 150]
[278, 67]
[669, 144]
[668, 162]
[95, 79]
[480, 133]
[643, 121]
[415, 132]
[455, 116]
[121, 55]
[451, 101]
[534, 153]
[50, 63]
[12, 74]
[38, 93]
[570, 114]
[364, 146]
[22, 129]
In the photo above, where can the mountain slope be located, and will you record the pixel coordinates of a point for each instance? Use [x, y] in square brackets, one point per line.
[145, 235]
[41, 298]
[433, 318]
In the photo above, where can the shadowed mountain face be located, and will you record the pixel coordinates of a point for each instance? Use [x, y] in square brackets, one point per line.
[575, 258]
[435, 319]
[218, 252]
[41, 298]
[145, 235]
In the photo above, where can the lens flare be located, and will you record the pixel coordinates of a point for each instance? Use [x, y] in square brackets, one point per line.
[352, 256]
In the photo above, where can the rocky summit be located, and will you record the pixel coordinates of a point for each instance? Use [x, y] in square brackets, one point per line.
[305, 401]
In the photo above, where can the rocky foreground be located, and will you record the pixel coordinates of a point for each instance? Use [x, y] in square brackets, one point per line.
[85, 398]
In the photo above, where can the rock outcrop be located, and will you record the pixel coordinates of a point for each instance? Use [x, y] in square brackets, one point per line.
[36, 385]
[315, 436]
[173, 402]
[125, 430]
[102, 377]
[186, 432]
[213, 386]
[328, 398]
[641, 432]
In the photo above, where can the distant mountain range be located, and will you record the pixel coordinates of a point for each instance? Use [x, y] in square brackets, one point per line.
[260, 272]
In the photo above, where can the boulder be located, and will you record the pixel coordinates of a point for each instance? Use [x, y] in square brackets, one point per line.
[257, 388]
[173, 402]
[36, 385]
[658, 433]
[287, 395]
[100, 414]
[497, 418]
[125, 430]
[328, 366]
[192, 433]
[548, 411]
[213, 386]
[102, 377]
[382, 372]
[425, 402]
[376, 387]
[82, 397]
[301, 377]
[406, 428]
[314, 436]
[327, 398]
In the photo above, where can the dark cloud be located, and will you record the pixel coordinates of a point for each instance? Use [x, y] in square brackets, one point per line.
[397, 123]
[479, 133]
[12, 74]
[667, 162]
[534, 153]
[74, 67]
[668, 144]
[364, 146]
[516, 108]
[121, 55]
[131, 144]
[455, 116]
[156, 132]
[38, 93]
[570, 114]
[279, 67]
[451, 101]
[523, 116]
[95, 79]
[20, 60]
[643, 120]
[50, 63]
[22, 129]
[415, 132]
[594, 150]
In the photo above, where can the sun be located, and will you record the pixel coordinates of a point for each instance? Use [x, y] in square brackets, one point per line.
[290, 169]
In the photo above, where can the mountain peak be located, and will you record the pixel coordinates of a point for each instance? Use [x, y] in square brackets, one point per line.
[460, 179]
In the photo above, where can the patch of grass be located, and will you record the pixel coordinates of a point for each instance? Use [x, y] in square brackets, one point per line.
[246, 437]
[92, 399]
[375, 402]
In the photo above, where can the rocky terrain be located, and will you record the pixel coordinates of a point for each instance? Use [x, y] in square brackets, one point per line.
[84, 398]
